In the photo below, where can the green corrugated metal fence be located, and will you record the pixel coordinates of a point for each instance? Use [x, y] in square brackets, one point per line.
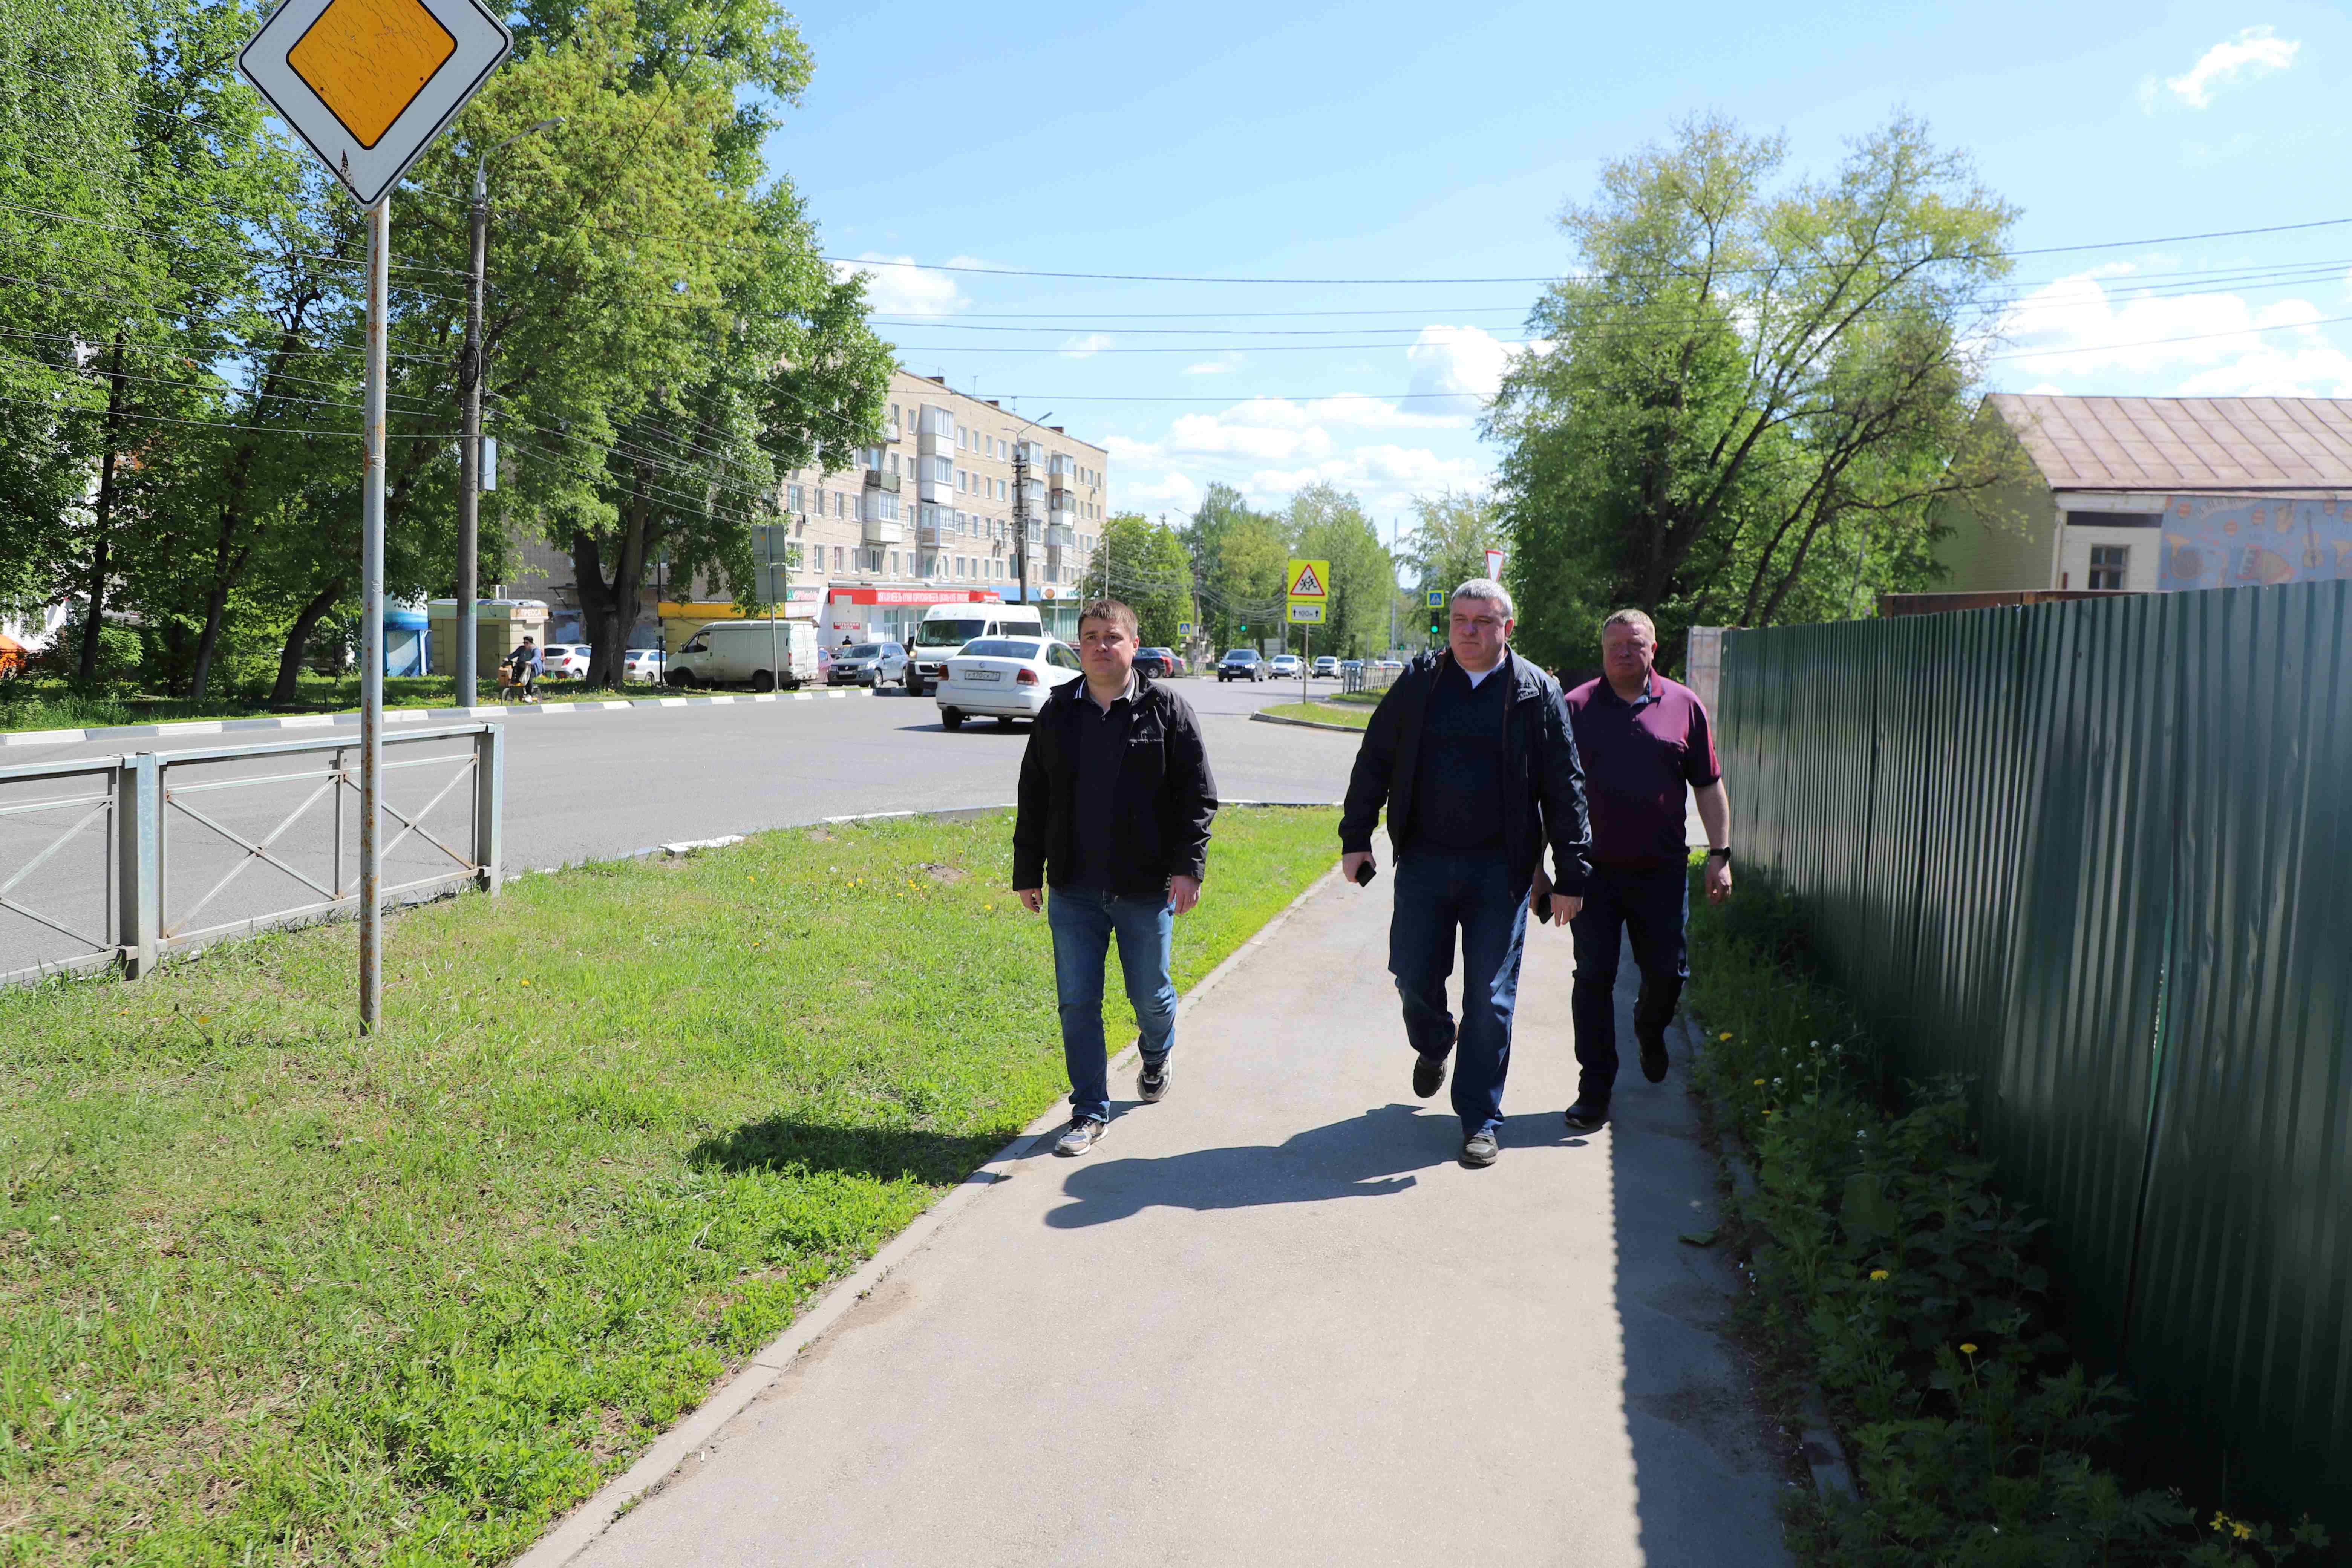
[2096, 857]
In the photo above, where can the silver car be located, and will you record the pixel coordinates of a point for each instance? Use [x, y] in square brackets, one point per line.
[874, 664]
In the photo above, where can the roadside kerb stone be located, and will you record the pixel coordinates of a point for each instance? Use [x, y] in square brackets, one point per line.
[1306, 723]
[405, 716]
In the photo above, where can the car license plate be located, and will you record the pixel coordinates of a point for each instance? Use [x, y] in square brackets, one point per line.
[981, 675]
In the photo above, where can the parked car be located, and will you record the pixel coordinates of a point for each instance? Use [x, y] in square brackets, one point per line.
[643, 664]
[1352, 667]
[874, 664]
[1284, 666]
[1241, 664]
[1002, 677]
[564, 661]
[945, 628]
[1159, 663]
[1327, 667]
[1390, 668]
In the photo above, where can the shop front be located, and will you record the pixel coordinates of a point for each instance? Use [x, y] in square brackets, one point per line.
[856, 615]
[1056, 608]
[681, 619]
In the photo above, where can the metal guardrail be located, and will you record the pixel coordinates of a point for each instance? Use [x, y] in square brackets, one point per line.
[161, 811]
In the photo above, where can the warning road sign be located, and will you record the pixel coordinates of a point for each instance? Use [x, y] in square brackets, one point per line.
[1306, 613]
[1437, 599]
[370, 83]
[1183, 629]
[1307, 579]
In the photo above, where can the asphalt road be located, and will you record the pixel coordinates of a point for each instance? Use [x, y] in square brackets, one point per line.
[595, 784]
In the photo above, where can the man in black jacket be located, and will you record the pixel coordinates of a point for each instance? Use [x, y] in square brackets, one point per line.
[1116, 801]
[1472, 753]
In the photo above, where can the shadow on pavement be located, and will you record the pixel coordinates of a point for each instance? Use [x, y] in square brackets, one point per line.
[1365, 1157]
[884, 1154]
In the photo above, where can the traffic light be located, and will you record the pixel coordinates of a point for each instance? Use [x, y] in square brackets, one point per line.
[1436, 624]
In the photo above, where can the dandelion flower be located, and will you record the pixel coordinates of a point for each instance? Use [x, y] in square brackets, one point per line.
[1967, 1349]
[1878, 1274]
[1724, 1035]
[1760, 1083]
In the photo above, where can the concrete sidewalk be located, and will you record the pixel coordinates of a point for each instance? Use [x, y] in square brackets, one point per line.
[1273, 1320]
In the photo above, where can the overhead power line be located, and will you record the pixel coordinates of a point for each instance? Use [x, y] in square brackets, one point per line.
[1383, 282]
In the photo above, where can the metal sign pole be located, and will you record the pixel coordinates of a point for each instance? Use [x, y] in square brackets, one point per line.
[372, 628]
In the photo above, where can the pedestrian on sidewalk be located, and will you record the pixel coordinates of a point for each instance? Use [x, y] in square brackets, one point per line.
[1111, 839]
[1645, 740]
[1472, 753]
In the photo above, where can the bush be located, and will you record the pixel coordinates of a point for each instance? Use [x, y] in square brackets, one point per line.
[1892, 1270]
[118, 655]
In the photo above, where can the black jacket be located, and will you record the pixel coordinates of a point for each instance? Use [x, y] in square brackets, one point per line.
[1545, 802]
[1165, 802]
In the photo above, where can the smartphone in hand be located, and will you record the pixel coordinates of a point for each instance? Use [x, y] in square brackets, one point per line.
[1543, 908]
[1365, 873]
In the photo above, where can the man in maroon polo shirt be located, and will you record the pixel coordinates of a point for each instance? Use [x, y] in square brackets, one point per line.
[1643, 739]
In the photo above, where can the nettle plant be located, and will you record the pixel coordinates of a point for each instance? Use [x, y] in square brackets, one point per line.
[1893, 1269]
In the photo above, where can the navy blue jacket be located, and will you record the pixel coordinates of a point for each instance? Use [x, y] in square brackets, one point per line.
[1543, 799]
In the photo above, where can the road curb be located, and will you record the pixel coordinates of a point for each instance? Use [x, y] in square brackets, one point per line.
[654, 1468]
[1825, 1455]
[407, 716]
[1305, 724]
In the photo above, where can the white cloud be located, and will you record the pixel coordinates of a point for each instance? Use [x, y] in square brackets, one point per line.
[899, 288]
[2186, 345]
[1217, 366]
[2232, 63]
[1083, 348]
[1451, 364]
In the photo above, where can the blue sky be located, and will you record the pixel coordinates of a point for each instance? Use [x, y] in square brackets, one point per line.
[1380, 140]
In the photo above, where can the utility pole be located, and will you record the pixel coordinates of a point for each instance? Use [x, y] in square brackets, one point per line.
[1021, 506]
[1393, 526]
[469, 442]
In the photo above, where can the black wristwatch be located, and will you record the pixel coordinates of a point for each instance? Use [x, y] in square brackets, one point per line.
[1725, 853]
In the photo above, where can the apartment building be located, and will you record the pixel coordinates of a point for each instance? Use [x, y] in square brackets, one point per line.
[925, 517]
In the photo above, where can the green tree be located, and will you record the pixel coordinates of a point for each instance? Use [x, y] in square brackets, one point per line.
[1144, 564]
[1452, 533]
[664, 338]
[1753, 398]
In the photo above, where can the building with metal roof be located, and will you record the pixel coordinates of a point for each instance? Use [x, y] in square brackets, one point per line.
[2158, 493]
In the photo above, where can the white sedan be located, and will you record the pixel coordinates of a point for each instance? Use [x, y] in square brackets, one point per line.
[1002, 677]
[643, 664]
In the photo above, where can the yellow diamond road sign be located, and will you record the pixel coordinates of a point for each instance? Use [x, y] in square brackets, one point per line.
[369, 83]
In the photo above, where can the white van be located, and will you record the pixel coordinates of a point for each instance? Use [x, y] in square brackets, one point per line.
[947, 628]
[728, 651]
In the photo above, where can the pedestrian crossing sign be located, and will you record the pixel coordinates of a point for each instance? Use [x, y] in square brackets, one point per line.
[1183, 629]
[1437, 599]
[1307, 580]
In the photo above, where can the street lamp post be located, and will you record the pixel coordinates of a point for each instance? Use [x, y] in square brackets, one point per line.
[470, 443]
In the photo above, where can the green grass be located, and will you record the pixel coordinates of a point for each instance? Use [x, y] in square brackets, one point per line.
[1320, 714]
[27, 704]
[273, 1293]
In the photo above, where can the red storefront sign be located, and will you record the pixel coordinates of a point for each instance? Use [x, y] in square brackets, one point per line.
[916, 596]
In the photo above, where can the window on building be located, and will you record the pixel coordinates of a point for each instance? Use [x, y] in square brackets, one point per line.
[793, 499]
[893, 462]
[837, 557]
[2113, 518]
[963, 478]
[2108, 562]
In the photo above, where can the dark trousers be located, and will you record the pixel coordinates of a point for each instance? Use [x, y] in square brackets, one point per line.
[1651, 906]
[1437, 896]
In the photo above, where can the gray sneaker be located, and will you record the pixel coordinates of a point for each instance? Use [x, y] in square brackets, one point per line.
[1481, 1147]
[1152, 1083]
[1081, 1135]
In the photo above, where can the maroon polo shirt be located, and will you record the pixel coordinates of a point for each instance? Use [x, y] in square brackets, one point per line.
[1638, 756]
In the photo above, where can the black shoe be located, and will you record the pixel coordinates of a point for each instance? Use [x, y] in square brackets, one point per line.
[1152, 1083]
[1428, 1075]
[1481, 1147]
[1586, 1115]
[1654, 1060]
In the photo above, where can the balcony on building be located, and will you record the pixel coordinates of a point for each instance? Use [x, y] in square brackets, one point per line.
[1061, 536]
[879, 512]
[876, 480]
[938, 433]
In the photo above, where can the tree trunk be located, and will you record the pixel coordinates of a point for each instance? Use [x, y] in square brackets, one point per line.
[104, 512]
[208, 642]
[608, 608]
[298, 638]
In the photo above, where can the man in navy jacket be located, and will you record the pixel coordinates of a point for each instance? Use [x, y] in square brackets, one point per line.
[1115, 805]
[1472, 753]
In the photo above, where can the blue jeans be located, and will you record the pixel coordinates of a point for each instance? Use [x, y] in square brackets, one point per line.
[1084, 920]
[1438, 895]
[1653, 908]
